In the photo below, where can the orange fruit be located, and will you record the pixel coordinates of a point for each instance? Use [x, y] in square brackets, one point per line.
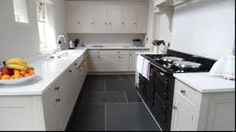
[31, 71]
[17, 76]
[22, 72]
[6, 77]
[12, 77]
[16, 72]
[27, 75]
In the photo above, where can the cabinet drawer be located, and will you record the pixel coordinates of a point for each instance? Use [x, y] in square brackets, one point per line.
[121, 52]
[187, 92]
[94, 52]
[99, 52]
[49, 94]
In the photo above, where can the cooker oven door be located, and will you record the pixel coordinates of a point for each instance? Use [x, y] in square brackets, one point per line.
[146, 89]
[162, 98]
[161, 113]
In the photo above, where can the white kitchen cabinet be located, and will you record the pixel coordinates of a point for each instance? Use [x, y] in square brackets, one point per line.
[184, 117]
[108, 60]
[129, 19]
[72, 17]
[80, 17]
[141, 18]
[101, 18]
[114, 18]
[202, 111]
[134, 18]
[49, 111]
[112, 60]
[87, 17]
[105, 17]
[132, 60]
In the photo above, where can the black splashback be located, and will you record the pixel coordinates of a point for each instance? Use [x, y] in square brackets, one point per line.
[206, 62]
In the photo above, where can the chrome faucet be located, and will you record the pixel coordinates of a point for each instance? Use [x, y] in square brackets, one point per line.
[59, 41]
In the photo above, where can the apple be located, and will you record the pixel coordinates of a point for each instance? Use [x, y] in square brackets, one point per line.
[6, 71]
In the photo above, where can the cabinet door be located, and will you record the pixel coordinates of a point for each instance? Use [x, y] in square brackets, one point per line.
[141, 19]
[95, 63]
[132, 60]
[87, 14]
[101, 18]
[128, 19]
[72, 17]
[184, 114]
[114, 17]
[122, 62]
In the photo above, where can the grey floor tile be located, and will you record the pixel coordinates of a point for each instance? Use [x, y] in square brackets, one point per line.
[88, 118]
[95, 84]
[93, 98]
[132, 96]
[129, 117]
[115, 85]
[115, 97]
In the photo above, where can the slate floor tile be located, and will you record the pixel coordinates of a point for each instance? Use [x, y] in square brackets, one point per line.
[110, 102]
[129, 117]
[88, 118]
[115, 97]
[95, 84]
[132, 96]
[94, 98]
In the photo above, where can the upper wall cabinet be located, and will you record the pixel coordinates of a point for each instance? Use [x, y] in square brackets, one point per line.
[105, 17]
[161, 3]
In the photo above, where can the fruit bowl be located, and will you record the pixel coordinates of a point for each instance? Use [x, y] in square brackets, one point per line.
[15, 70]
[16, 81]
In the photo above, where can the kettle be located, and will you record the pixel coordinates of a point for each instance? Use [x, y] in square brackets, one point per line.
[71, 44]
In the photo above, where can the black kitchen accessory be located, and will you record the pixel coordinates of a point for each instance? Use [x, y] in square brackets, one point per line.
[76, 42]
[137, 43]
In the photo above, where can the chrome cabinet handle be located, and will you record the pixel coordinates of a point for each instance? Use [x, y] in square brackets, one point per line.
[58, 100]
[175, 107]
[57, 88]
[92, 23]
[109, 23]
[70, 70]
[123, 23]
[105, 23]
[162, 74]
[182, 91]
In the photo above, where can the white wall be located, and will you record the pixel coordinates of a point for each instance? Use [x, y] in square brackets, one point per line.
[22, 40]
[111, 40]
[205, 27]
[150, 25]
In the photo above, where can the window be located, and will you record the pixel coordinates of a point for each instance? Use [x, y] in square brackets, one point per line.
[41, 16]
[20, 11]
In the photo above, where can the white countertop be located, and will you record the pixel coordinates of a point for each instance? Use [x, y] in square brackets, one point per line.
[205, 83]
[122, 48]
[47, 72]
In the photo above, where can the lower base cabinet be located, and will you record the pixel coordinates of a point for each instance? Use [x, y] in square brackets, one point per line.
[116, 60]
[47, 112]
[195, 111]
[65, 92]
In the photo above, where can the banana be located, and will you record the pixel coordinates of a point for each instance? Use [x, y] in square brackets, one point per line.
[15, 66]
[17, 61]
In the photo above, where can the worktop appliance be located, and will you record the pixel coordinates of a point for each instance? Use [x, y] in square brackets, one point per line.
[157, 92]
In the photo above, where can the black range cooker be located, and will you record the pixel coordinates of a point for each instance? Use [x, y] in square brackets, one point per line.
[157, 92]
